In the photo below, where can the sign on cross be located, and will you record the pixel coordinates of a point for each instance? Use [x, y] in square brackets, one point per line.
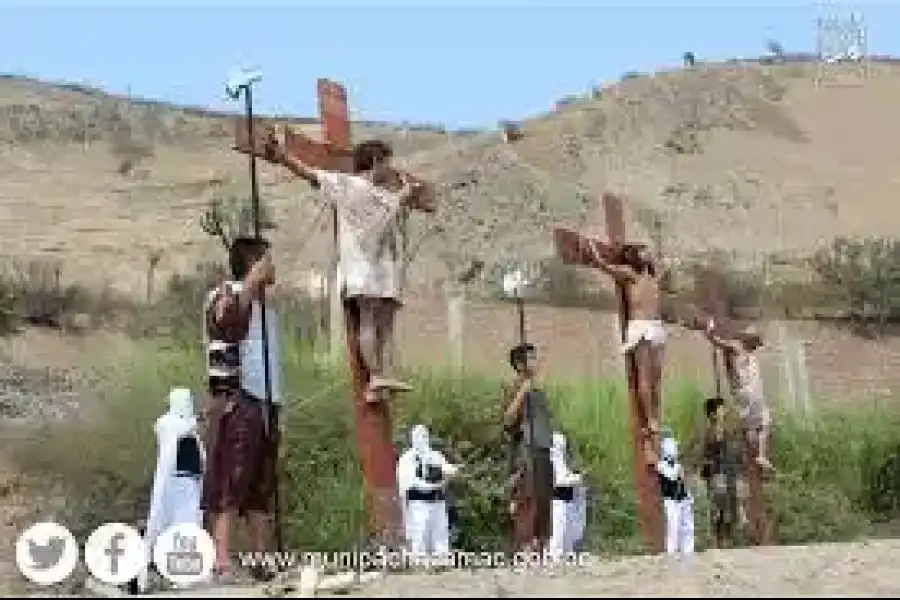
[577, 249]
[373, 423]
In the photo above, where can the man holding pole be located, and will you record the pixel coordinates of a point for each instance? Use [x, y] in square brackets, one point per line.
[242, 431]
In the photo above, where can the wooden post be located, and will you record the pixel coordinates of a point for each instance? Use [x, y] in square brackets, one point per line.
[373, 424]
[757, 511]
[574, 248]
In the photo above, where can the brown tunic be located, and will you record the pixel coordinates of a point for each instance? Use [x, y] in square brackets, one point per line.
[240, 474]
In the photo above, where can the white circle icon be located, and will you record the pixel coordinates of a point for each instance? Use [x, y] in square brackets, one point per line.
[46, 553]
[184, 554]
[115, 553]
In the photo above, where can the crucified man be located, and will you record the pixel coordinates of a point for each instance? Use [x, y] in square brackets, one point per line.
[637, 270]
[369, 263]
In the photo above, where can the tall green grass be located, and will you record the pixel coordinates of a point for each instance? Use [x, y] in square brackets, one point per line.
[838, 472]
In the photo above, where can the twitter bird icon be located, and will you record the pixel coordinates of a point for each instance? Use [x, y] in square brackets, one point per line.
[46, 553]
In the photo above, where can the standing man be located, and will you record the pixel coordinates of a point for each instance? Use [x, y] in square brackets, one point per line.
[240, 479]
[645, 337]
[369, 266]
[526, 419]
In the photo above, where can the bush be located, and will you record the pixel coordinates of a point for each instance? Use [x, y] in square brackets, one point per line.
[828, 487]
[33, 293]
[863, 274]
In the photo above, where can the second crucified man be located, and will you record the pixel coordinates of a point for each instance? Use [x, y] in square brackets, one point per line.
[637, 270]
[369, 264]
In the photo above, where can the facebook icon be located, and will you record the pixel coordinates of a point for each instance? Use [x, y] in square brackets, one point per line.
[115, 551]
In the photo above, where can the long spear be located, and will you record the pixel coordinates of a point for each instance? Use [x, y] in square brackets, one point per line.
[242, 84]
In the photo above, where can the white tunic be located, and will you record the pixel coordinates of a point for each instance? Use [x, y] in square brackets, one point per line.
[367, 234]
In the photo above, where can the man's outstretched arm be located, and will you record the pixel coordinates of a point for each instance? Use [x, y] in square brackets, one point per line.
[270, 149]
[621, 273]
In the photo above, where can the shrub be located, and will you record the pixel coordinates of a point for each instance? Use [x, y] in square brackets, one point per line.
[863, 275]
[827, 487]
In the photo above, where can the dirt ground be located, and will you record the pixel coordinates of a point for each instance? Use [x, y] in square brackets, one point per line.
[865, 569]
[846, 570]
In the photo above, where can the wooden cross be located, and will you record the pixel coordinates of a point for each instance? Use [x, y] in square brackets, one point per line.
[373, 422]
[574, 248]
[711, 284]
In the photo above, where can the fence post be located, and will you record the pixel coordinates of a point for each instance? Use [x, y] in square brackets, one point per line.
[787, 352]
[803, 378]
[456, 300]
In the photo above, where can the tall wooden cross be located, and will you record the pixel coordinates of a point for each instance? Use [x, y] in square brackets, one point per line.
[373, 423]
[577, 249]
[712, 286]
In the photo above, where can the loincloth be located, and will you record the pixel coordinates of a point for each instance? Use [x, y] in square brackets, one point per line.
[653, 331]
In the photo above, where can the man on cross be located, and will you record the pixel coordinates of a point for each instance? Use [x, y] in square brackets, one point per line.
[638, 271]
[369, 266]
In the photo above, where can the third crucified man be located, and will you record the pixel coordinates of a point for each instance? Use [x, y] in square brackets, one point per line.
[637, 271]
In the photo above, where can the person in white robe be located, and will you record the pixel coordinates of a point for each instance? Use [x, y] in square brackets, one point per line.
[565, 509]
[422, 474]
[180, 459]
[678, 504]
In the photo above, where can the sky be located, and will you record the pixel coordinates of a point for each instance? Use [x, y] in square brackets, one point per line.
[466, 65]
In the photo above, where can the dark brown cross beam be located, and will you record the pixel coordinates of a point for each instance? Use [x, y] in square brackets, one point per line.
[335, 152]
[712, 286]
[577, 249]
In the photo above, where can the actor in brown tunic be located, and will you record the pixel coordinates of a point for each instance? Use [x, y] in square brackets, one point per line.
[240, 478]
[526, 420]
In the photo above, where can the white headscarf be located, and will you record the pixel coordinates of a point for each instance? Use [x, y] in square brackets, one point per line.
[669, 449]
[420, 440]
[180, 419]
[558, 445]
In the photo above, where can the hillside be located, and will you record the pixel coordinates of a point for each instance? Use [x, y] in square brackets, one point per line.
[741, 158]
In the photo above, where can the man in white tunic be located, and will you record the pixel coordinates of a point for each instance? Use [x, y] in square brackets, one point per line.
[747, 388]
[422, 474]
[369, 262]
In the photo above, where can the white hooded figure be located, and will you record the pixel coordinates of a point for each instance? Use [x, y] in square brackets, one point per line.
[568, 527]
[678, 505]
[421, 477]
[179, 468]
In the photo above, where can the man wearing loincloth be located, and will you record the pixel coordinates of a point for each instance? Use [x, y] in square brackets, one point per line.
[370, 268]
[747, 387]
[526, 419]
[637, 271]
[240, 478]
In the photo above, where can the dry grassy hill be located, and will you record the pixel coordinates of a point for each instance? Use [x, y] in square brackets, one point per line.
[736, 157]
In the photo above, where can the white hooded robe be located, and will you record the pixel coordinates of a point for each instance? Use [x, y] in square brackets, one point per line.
[568, 524]
[425, 522]
[678, 512]
[175, 499]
